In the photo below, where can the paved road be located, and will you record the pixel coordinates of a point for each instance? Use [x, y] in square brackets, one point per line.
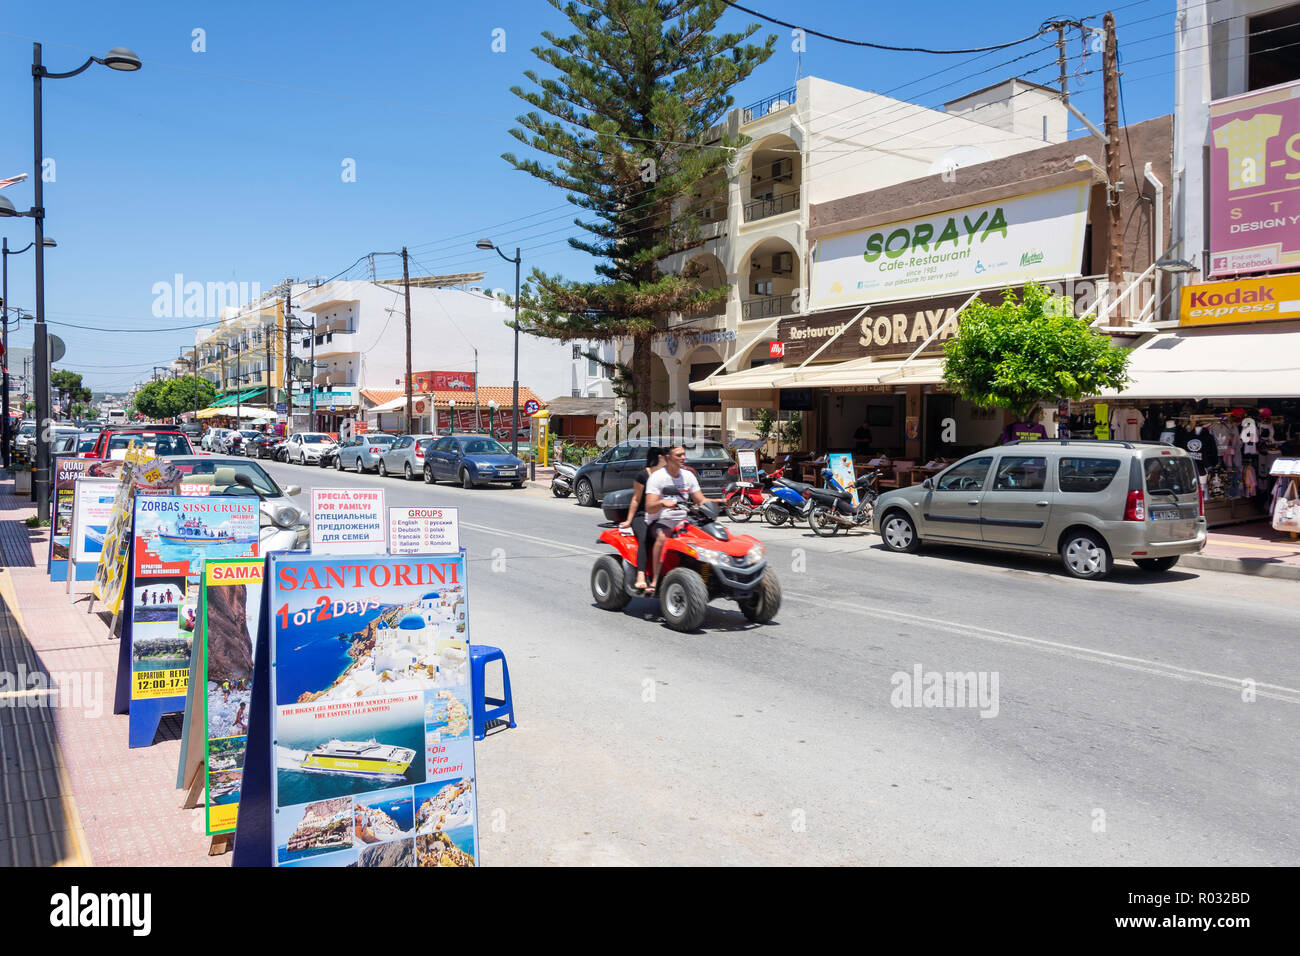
[1137, 720]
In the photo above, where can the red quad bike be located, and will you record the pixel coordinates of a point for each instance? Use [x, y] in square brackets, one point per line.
[701, 561]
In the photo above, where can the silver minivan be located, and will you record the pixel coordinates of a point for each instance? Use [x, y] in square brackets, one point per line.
[1092, 502]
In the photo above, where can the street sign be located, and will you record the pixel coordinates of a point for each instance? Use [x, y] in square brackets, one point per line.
[57, 348]
[332, 408]
[531, 407]
[281, 408]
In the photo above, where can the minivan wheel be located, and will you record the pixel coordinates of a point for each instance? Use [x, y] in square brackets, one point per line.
[1085, 555]
[1156, 565]
[899, 533]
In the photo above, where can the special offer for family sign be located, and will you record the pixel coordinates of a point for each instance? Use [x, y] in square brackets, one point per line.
[347, 520]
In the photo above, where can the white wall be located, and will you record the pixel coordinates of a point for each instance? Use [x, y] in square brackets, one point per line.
[446, 326]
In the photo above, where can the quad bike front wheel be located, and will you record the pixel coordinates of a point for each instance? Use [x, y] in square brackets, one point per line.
[607, 584]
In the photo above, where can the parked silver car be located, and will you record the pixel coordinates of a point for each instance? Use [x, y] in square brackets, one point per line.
[1092, 502]
[304, 447]
[211, 437]
[405, 456]
[361, 453]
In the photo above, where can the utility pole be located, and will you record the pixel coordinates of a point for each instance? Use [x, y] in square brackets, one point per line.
[269, 333]
[1110, 91]
[406, 281]
[288, 359]
[312, 419]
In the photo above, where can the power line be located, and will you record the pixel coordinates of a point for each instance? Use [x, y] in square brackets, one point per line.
[879, 46]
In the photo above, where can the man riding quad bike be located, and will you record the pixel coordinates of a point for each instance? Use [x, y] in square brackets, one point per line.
[700, 561]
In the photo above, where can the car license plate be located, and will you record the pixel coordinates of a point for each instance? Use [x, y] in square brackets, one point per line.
[711, 473]
[1165, 514]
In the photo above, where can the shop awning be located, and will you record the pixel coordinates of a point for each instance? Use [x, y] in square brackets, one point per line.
[396, 405]
[237, 399]
[1224, 363]
[864, 371]
[228, 411]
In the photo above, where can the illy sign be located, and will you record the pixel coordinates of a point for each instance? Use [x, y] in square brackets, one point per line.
[776, 350]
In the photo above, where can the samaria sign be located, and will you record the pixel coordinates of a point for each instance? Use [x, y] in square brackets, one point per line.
[1037, 236]
[1255, 181]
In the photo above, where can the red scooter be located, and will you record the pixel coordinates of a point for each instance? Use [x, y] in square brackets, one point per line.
[743, 498]
[701, 561]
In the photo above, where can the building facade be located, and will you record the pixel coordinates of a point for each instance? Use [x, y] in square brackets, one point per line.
[807, 146]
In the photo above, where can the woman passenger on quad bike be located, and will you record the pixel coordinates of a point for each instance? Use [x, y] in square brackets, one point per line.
[666, 490]
[636, 520]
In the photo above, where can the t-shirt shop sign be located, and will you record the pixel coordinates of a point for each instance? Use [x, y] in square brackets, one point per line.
[1254, 196]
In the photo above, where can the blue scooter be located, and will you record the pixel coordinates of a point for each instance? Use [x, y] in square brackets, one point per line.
[790, 501]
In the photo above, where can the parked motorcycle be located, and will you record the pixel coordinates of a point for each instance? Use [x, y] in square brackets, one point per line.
[789, 502]
[744, 498]
[562, 483]
[832, 507]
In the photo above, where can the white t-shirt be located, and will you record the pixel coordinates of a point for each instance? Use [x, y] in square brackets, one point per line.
[666, 486]
[1126, 424]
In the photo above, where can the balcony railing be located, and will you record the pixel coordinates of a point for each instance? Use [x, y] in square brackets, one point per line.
[767, 307]
[777, 101]
[763, 208]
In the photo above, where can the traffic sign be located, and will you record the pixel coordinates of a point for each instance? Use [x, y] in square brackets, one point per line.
[531, 406]
[57, 348]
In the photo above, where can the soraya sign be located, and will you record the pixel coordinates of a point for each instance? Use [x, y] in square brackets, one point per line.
[1036, 236]
[1254, 195]
[899, 328]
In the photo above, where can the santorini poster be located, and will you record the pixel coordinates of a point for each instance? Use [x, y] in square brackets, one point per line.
[370, 690]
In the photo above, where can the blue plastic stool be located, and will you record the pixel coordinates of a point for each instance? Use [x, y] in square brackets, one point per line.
[479, 656]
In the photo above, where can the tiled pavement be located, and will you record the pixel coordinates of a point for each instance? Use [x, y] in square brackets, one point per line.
[71, 791]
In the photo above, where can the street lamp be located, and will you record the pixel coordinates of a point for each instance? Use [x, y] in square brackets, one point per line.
[451, 403]
[486, 244]
[492, 416]
[5, 253]
[118, 58]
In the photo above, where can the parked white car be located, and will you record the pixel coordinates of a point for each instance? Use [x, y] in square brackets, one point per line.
[210, 438]
[304, 447]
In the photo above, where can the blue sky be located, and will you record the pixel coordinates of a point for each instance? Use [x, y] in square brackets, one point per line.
[227, 164]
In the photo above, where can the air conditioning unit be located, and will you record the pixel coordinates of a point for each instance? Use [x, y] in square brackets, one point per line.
[783, 170]
[782, 263]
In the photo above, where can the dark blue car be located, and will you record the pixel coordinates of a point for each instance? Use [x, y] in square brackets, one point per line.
[471, 460]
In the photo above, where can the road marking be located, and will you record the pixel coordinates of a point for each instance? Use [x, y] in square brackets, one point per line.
[1290, 695]
[576, 548]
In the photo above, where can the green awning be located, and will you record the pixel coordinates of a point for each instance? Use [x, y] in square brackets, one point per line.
[237, 399]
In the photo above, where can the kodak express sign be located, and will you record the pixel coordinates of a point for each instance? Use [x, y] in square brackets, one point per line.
[1268, 298]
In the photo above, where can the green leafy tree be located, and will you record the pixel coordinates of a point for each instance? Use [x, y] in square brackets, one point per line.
[634, 90]
[69, 387]
[167, 398]
[1029, 350]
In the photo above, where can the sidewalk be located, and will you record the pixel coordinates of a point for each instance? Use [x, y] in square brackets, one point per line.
[1253, 548]
[71, 791]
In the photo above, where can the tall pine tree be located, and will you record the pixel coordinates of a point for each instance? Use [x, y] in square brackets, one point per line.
[622, 125]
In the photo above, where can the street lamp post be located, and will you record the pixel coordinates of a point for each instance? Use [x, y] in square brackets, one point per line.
[451, 403]
[5, 253]
[118, 58]
[492, 417]
[514, 425]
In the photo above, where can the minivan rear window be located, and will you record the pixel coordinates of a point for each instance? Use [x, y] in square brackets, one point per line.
[1171, 473]
[1086, 474]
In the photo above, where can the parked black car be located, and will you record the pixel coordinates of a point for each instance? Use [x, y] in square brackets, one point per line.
[329, 458]
[263, 446]
[617, 468]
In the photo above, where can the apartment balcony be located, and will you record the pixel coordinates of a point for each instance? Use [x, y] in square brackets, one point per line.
[768, 206]
[767, 307]
[336, 343]
[769, 105]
